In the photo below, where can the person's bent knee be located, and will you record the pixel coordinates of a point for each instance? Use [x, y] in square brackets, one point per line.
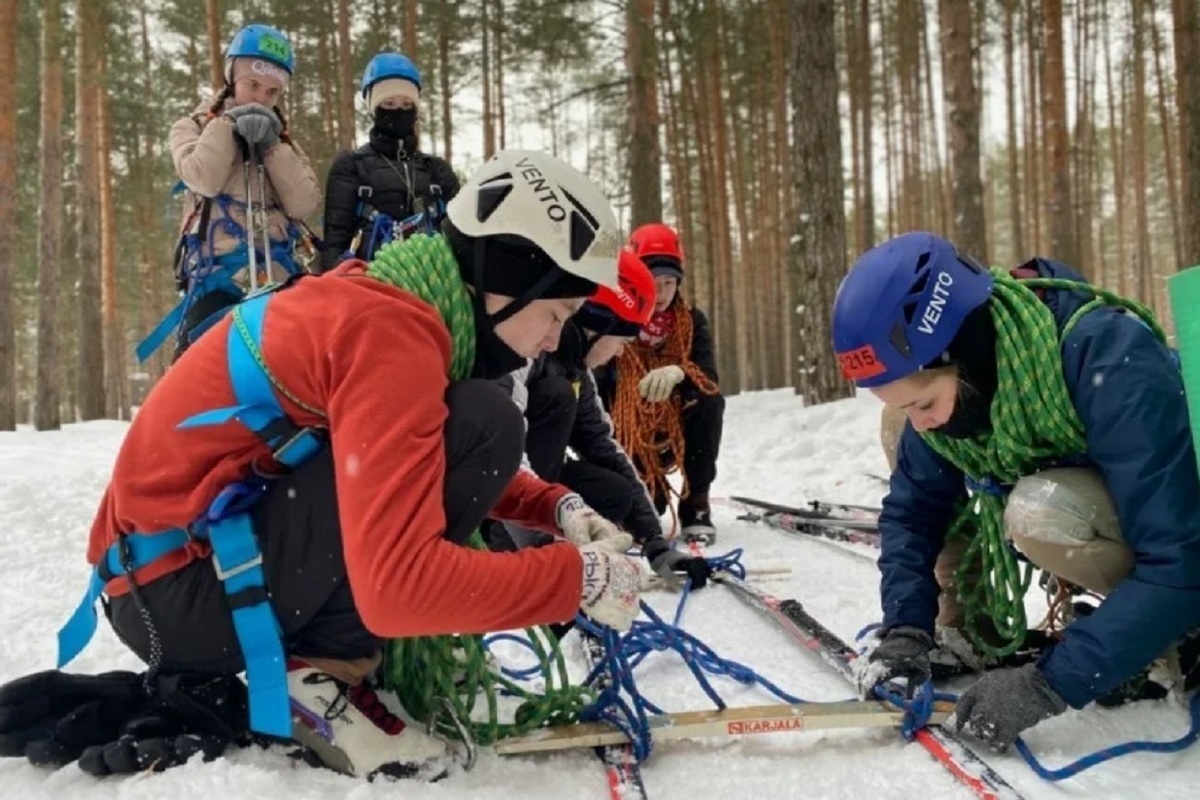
[488, 412]
[1068, 506]
[554, 390]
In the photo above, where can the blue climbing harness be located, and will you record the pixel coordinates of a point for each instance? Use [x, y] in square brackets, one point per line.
[227, 527]
[198, 272]
[380, 229]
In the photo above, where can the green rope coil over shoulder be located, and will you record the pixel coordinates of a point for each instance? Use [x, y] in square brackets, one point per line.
[1033, 420]
[424, 265]
[441, 678]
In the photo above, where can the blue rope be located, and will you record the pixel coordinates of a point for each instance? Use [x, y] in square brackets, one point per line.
[1109, 753]
[516, 674]
[920, 710]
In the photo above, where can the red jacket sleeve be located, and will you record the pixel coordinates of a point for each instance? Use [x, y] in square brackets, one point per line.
[386, 415]
[531, 501]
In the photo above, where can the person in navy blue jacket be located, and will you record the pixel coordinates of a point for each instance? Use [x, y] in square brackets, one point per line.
[930, 332]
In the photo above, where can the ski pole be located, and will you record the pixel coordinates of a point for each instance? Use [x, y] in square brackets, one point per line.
[250, 243]
[262, 210]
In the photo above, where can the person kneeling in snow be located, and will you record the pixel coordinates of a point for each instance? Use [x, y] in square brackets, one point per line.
[219, 551]
[663, 393]
[558, 394]
[1006, 379]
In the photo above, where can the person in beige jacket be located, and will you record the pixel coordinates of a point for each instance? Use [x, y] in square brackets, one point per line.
[233, 146]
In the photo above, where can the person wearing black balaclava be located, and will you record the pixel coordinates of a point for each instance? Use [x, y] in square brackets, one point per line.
[388, 175]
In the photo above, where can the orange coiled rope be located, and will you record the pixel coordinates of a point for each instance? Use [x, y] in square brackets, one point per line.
[652, 433]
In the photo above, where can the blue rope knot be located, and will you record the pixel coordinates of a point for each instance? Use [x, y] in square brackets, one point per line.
[918, 709]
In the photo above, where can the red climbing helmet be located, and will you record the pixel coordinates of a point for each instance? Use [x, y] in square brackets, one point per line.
[624, 310]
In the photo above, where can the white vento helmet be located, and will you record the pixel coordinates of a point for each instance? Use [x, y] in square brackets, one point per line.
[532, 196]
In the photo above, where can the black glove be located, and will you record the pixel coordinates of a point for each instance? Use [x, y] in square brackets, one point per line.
[673, 566]
[1003, 703]
[902, 653]
[110, 724]
[257, 124]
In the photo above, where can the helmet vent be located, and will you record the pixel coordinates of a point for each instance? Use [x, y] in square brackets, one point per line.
[910, 311]
[899, 340]
[919, 284]
[490, 198]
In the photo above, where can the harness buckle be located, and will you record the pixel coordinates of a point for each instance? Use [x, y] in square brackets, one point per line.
[225, 574]
[280, 452]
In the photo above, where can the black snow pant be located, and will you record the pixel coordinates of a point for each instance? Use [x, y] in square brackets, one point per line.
[300, 536]
[197, 314]
[550, 419]
[703, 421]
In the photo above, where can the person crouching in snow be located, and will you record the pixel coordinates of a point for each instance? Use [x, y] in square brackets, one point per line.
[663, 393]
[378, 379]
[1061, 410]
[562, 409]
[235, 153]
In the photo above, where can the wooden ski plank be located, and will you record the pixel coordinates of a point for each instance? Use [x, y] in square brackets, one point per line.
[745, 721]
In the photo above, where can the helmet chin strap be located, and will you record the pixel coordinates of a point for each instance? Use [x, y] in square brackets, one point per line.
[588, 344]
[518, 304]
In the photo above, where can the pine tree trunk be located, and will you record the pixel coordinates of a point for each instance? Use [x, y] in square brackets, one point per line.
[1059, 218]
[443, 44]
[216, 62]
[819, 250]
[8, 214]
[962, 125]
[1033, 151]
[89, 38]
[1016, 222]
[866, 212]
[116, 402]
[331, 89]
[1141, 265]
[47, 415]
[411, 43]
[489, 126]
[1186, 16]
[498, 70]
[1168, 143]
[780, 318]
[645, 157]
[1116, 150]
[345, 53]
[889, 129]
[852, 67]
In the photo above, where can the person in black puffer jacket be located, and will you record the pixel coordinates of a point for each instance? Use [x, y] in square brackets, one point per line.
[387, 175]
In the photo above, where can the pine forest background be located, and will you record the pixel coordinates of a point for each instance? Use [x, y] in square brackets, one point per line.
[782, 137]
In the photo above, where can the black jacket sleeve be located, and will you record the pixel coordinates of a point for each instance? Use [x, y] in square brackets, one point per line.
[702, 347]
[341, 201]
[594, 440]
[443, 176]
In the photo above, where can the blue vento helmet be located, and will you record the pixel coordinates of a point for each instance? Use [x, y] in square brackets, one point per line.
[389, 65]
[260, 41]
[901, 305]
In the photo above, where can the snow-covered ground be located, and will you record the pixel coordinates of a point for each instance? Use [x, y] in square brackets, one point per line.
[773, 449]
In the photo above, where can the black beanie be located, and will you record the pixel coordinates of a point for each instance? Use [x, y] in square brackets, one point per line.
[512, 265]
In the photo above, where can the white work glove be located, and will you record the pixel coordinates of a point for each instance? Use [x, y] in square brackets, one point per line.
[611, 586]
[659, 383]
[581, 525]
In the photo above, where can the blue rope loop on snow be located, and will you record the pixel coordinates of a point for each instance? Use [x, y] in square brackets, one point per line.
[1117, 750]
[621, 704]
[919, 710]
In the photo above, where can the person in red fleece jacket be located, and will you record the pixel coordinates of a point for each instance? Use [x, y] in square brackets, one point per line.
[392, 363]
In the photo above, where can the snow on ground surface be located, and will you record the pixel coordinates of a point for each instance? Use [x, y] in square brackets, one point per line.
[773, 449]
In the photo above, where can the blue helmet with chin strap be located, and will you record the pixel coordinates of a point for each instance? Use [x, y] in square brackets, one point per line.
[901, 305]
[389, 65]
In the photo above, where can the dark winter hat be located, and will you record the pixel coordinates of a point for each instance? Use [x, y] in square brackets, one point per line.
[512, 266]
[667, 266]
